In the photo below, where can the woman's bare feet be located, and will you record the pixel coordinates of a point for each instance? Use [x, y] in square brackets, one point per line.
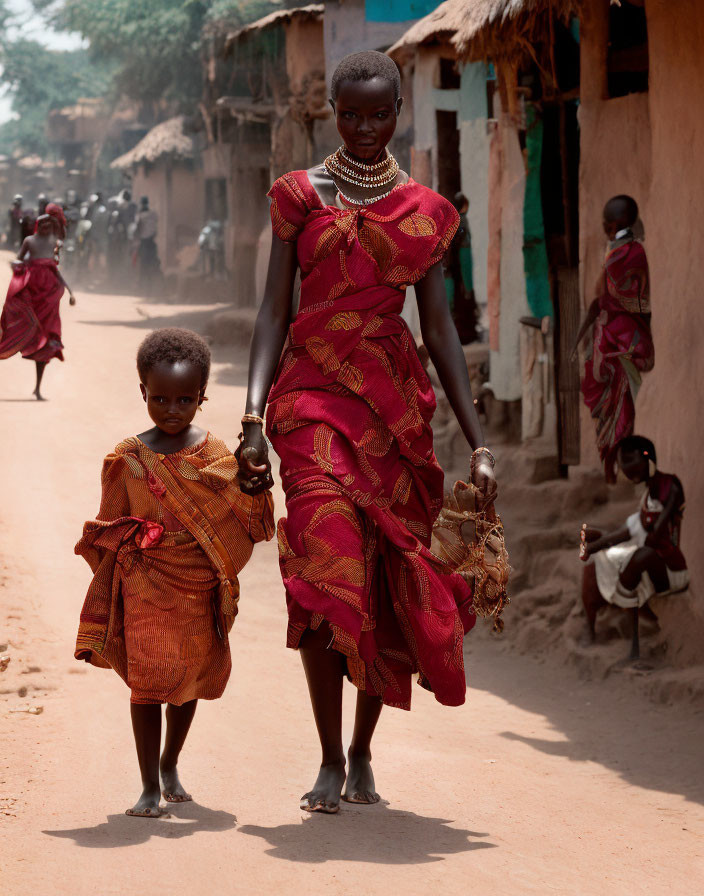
[38, 395]
[325, 795]
[360, 780]
[147, 806]
[172, 789]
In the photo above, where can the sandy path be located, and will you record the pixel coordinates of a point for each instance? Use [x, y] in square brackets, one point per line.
[539, 784]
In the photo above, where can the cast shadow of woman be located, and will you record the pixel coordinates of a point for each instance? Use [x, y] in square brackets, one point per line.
[183, 819]
[369, 834]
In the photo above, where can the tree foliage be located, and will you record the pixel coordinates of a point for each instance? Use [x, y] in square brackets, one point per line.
[155, 45]
[148, 51]
[39, 80]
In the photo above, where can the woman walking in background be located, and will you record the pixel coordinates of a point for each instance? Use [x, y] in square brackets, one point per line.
[349, 416]
[30, 322]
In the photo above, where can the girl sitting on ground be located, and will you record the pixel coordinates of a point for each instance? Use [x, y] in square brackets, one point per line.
[173, 531]
[643, 557]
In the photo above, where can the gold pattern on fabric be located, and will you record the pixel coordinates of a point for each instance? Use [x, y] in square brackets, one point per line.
[351, 377]
[347, 284]
[331, 236]
[377, 243]
[344, 320]
[323, 353]
[418, 224]
[281, 227]
[322, 446]
[402, 488]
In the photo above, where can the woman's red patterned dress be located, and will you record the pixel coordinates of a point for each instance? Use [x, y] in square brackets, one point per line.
[30, 321]
[349, 416]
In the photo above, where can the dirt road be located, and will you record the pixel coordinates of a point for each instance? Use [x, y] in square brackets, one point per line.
[538, 784]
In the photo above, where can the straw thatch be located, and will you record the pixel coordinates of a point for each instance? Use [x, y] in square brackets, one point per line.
[475, 29]
[166, 139]
[314, 11]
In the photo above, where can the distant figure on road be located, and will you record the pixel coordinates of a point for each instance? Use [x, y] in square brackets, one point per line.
[212, 248]
[30, 321]
[14, 222]
[159, 611]
[147, 253]
[122, 214]
[621, 348]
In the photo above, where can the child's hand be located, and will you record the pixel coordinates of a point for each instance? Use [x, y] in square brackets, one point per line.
[71, 299]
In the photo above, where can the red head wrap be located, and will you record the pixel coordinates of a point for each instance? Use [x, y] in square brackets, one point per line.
[57, 213]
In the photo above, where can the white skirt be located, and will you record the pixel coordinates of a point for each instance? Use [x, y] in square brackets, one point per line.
[611, 562]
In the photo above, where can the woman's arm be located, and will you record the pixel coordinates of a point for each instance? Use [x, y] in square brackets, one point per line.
[268, 341]
[443, 344]
[71, 297]
[674, 500]
[22, 251]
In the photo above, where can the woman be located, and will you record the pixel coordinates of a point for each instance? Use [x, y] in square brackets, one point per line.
[621, 348]
[349, 416]
[30, 321]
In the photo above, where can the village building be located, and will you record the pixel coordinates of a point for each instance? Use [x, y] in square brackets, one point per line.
[472, 134]
[614, 89]
[85, 137]
[165, 167]
[266, 112]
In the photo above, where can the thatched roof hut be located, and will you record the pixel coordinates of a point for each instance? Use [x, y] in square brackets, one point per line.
[479, 29]
[166, 139]
[314, 11]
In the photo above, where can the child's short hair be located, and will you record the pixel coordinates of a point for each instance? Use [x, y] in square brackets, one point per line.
[622, 208]
[637, 445]
[172, 344]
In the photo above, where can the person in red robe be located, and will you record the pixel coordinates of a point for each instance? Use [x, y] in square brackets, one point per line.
[349, 416]
[30, 322]
[621, 349]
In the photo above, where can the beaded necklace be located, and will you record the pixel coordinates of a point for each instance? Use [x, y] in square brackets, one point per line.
[342, 166]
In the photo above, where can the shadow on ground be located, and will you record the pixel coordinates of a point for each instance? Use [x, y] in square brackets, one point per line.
[608, 722]
[374, 834]
[123, 830]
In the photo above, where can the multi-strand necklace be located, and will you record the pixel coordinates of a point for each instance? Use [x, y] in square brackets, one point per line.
[341, 166]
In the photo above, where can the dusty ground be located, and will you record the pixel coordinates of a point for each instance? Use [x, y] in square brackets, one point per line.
[540, 783]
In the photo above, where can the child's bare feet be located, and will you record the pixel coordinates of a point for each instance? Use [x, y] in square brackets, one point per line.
[147, 806]
[171, 787]
[360, 780]
[38, 395]
[325, 795]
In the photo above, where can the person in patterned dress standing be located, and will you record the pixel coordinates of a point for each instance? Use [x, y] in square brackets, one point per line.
[349, 409]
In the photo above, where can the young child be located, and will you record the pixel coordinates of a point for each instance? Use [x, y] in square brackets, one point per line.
[643, 557]
[621, 348]
[173, 531]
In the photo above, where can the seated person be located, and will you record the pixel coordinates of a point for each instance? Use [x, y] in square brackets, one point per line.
[643, 557]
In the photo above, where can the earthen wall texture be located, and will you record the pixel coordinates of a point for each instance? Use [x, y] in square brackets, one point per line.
[649, 145]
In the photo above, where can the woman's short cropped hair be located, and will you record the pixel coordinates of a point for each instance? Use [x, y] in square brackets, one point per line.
[364, 67]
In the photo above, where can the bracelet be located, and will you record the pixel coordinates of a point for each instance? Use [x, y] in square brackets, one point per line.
[485, 451]
[253, 418]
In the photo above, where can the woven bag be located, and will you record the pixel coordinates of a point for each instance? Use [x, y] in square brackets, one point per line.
[471, 542]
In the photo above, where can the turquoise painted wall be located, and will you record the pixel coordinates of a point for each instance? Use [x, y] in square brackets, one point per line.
[397, 10]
